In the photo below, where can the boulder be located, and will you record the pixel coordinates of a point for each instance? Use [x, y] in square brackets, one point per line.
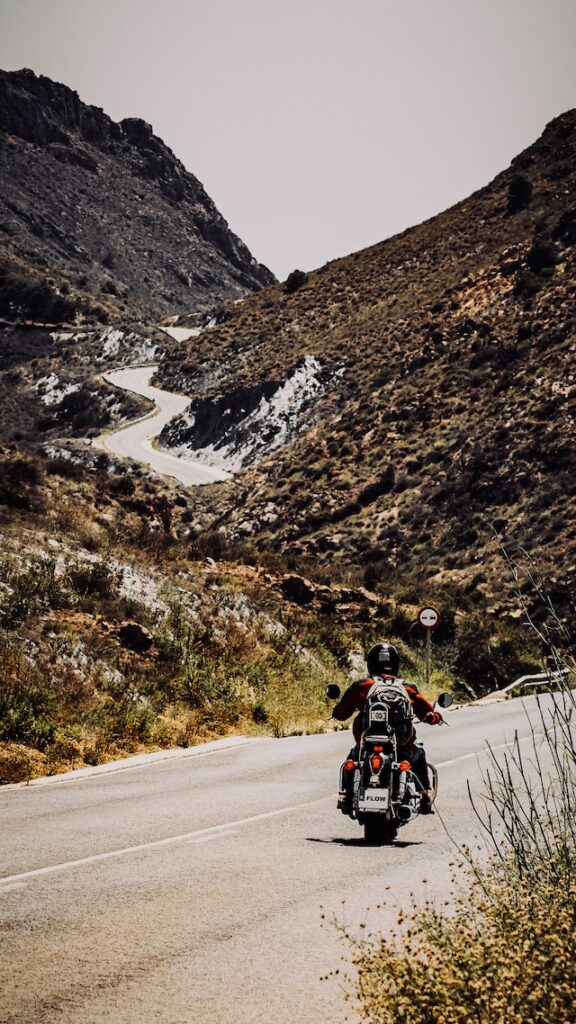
[135, 637]
[298, 589]
[356, 595]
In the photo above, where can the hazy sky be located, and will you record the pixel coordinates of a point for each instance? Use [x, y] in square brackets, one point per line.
[317, 126]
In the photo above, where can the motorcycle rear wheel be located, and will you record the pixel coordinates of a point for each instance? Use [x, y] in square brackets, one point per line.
[378, 830]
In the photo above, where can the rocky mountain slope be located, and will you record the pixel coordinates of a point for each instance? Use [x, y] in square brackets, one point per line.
[389, 418]
[102, 218]
[446, 415]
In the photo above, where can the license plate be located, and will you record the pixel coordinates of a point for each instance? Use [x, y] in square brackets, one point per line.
[374, 800]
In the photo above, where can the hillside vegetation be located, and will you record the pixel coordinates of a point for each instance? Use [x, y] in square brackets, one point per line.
[118, 634]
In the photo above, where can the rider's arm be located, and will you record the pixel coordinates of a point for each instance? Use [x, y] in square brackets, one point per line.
[423, 709]
[348, 703]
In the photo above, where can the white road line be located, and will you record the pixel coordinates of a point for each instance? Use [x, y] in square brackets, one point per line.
[213, 831]
[218, 835]
[201, 833]
[486, 750]
[444, 764]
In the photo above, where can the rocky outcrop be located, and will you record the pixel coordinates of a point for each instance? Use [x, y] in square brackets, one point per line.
[298, 589]
[355, 602]
[109, 206]
[238, 427]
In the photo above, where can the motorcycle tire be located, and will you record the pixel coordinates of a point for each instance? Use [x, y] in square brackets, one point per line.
[378, 830]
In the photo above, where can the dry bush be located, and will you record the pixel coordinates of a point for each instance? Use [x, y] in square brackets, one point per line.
[26, 703]
[507, 954]
[19, 763]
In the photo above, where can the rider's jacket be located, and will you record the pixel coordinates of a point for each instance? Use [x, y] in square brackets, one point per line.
[355, 698]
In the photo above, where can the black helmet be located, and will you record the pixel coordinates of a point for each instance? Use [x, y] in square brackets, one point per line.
[383, 660]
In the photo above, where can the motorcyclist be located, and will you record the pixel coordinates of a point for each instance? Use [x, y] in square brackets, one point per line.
[383, 662]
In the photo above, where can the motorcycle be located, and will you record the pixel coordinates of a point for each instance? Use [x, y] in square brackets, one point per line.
[376, 789]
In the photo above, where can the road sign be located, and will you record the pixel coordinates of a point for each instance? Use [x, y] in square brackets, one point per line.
[429, 617]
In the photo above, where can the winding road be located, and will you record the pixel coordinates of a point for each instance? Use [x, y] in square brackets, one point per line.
[135, 440]
[191, 890]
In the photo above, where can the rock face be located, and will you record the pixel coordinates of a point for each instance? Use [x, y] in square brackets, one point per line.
[108, 210]
[237, 427]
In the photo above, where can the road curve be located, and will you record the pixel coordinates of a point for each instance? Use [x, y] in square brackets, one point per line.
[135, 441]
[192, 890]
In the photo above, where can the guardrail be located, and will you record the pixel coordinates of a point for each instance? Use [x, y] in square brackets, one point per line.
[531, 682]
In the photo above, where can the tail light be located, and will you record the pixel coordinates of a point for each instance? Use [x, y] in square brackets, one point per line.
[349, 765]
[404, 766]
[376, 762]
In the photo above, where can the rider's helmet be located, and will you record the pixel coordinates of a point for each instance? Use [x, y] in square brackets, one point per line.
[383, 660]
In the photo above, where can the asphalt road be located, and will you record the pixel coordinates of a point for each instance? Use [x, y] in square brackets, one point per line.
[191, 891]
[135, 441]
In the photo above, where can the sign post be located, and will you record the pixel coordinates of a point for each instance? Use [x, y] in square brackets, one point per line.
[428, 618]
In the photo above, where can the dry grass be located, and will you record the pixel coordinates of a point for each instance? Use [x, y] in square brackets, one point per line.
[506, 954]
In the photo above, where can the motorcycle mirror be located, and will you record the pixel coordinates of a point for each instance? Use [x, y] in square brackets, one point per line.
[332, 691]
[444, 700]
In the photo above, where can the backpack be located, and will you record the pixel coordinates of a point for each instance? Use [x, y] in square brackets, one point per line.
[388, 700]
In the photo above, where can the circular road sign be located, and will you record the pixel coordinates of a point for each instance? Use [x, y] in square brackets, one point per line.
[429, 617]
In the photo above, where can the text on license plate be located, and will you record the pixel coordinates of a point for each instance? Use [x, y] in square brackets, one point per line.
[373, 799]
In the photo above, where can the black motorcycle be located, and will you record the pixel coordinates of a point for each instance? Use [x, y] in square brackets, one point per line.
[377, 790]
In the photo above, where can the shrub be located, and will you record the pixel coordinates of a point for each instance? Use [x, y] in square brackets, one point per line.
[383, 485]
[19, 764]
[92, 580]
[67, 468]
[294, 281]
[34, 589]
[26, 704]
[565, 229]
[508, 953]
[527, 284]
[20, 478]
[122, 485]
[22, 295]
[519, 194]
[543, 255]
[488, 656]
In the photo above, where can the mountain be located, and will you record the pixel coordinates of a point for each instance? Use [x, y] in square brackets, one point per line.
[102, 218]
[440, 410]
[391, 419]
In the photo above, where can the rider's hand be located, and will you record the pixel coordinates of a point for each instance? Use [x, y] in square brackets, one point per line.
[433, 718]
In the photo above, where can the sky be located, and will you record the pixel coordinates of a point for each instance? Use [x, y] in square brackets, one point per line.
[318, 127]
